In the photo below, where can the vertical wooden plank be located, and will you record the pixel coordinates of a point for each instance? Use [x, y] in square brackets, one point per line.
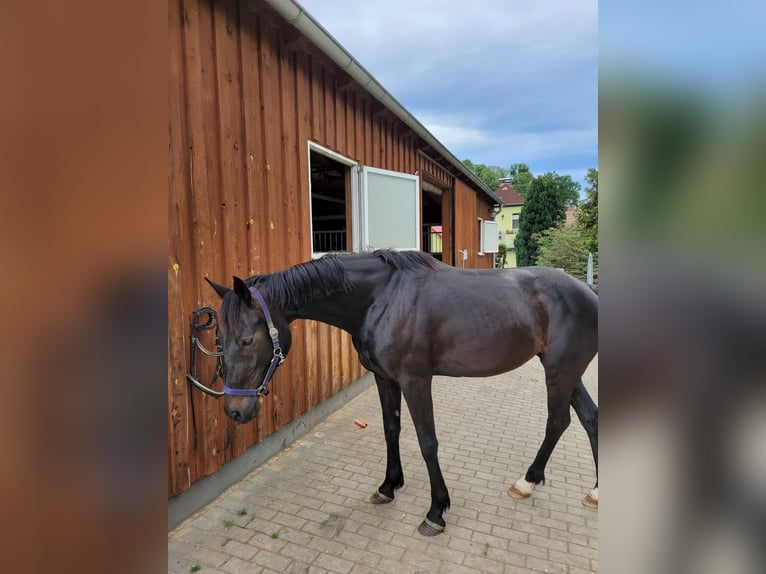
[291, 395]
[179, 253]
[325, 371]
[213, 441]
[233, 437]
[255, 177]
[340, 121]
[329, 108]
[204, 172]
[336, 374]
[256, 216]
[351, 124]
[348, 355]
[272, 144]
[359, 150]
[317, 101]
[304, 105]
[370, 159]
[447, 224]
[391, 156]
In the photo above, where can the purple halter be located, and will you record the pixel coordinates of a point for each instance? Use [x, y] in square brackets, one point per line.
[277, 359]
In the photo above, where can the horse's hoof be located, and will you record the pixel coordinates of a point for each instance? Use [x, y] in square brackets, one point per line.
[428, 528]
[514, 492]
[379, 498]
[591, 499]
[521, 489]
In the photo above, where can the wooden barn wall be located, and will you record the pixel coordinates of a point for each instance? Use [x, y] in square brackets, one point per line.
[470, 208]
[246, 93]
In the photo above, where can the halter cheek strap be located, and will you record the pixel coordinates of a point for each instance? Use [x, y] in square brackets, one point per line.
[277, 358]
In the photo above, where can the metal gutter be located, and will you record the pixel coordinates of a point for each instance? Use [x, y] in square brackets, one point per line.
[295, 14]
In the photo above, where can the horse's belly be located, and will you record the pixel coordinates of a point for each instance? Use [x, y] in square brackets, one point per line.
[481, 366]
[485, 357]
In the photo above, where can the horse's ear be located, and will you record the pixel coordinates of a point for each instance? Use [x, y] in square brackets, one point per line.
[241, 289]
[220, 289]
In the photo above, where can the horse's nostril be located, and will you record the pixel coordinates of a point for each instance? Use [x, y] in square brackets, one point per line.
[234, 414]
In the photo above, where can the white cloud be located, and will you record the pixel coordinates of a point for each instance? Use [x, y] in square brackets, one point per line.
[455, 132]
[496, 81]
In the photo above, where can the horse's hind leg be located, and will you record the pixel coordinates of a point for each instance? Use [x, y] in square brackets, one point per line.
[587, 412]
[391, 403]
[560, 387]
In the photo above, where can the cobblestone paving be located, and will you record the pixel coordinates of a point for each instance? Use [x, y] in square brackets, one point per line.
[307, 510]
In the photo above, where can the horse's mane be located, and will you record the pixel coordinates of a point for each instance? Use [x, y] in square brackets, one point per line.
[306, 282]
[407, 260]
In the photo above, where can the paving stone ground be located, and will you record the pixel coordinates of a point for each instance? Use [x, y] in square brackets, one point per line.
[307, 510]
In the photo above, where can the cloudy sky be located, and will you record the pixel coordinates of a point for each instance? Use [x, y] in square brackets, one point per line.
[496, 81]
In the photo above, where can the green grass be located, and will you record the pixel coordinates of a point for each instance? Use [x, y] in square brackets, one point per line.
[195, 568]
[228, 523]
[275, 534]
[241, 512]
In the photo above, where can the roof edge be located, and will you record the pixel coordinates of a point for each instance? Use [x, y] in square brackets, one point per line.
[296, 15]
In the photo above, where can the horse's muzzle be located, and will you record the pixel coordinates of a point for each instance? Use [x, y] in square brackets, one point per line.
[241, 409]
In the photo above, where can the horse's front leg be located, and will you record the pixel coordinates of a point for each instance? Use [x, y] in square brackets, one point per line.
[417, 393]
[391, 404]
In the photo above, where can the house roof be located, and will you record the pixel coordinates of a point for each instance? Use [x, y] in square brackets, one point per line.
[297, 16]
[508, 195]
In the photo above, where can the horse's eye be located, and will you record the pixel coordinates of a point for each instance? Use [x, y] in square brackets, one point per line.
[247, 342]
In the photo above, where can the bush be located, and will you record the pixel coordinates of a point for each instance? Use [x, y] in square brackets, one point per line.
[564, 246]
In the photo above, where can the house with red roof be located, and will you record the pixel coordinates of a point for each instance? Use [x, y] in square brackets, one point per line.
[508, 219]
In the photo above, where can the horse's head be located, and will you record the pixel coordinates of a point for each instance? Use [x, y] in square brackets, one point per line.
[248, 348]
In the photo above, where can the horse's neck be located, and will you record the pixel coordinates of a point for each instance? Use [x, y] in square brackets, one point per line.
[345, 310]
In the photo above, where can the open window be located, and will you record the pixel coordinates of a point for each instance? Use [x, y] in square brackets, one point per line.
[355, 208]
[331, 184]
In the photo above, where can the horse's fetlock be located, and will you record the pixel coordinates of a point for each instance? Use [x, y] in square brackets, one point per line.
[535, 476]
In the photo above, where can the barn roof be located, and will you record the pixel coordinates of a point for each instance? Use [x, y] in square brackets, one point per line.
[297, 16]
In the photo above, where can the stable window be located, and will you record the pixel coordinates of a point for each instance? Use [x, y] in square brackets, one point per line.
[331, 185]
[391, 209]
[355, 208]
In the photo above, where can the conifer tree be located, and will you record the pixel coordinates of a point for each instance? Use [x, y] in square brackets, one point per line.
[543, 208]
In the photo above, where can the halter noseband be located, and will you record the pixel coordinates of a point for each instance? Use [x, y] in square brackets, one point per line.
[277, 358]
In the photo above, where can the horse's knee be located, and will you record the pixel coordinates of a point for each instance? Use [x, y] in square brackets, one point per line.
[392, 434]
[429, 447]
[559, 424]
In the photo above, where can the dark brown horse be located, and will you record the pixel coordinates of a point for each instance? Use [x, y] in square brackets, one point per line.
[412, 317]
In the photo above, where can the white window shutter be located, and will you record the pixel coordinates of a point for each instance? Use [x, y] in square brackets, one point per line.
[391, 209]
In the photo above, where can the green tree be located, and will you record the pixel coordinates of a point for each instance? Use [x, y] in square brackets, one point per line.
[489, 174]
[567, 188]
[517, 168]
[543, 208]
[587, 213]
[521, 178]
[563, 246]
